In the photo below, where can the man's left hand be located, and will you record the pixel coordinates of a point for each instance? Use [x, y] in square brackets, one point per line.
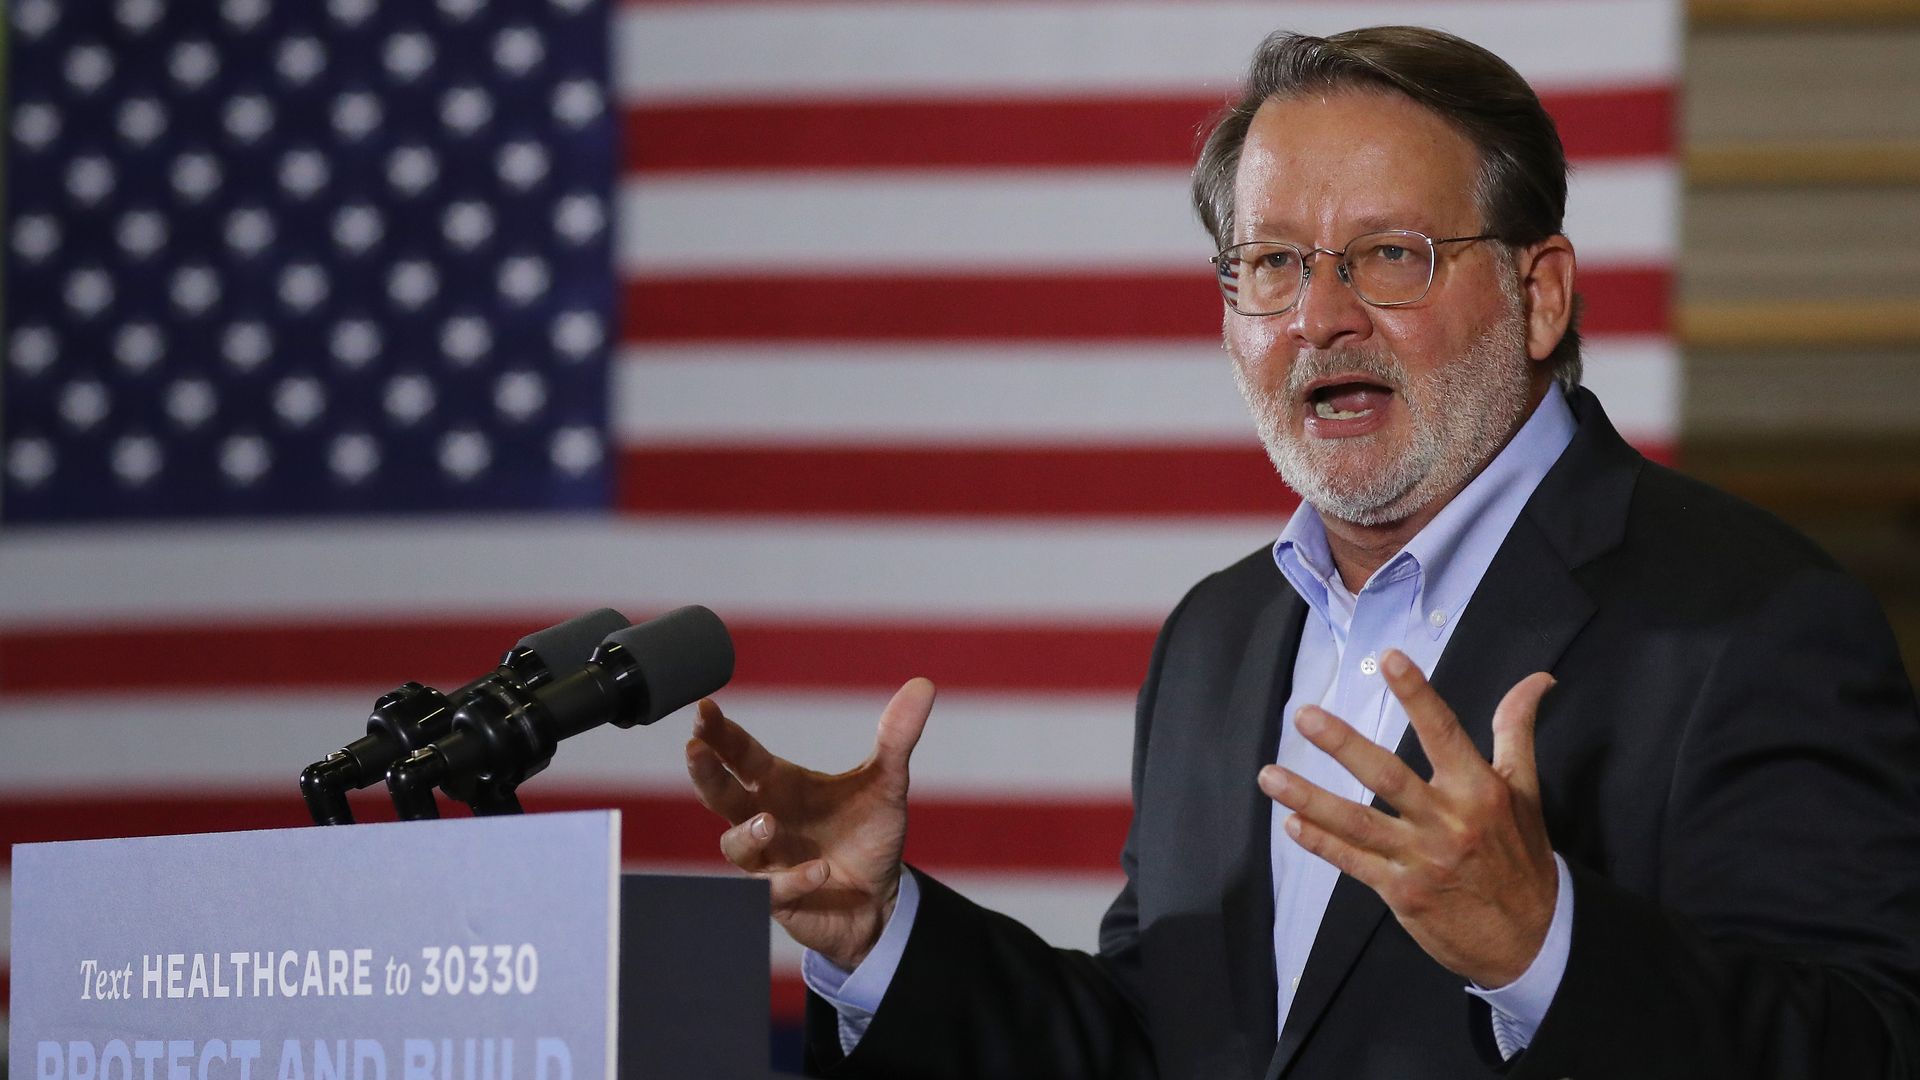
[1467, 867]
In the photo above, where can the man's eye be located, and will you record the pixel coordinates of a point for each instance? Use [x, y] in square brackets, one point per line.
[1392, 252]
[1278, 260]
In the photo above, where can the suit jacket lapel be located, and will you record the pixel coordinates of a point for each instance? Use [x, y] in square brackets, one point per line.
[1525, 612]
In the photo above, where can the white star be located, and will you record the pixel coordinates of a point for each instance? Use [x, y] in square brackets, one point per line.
[195, 175]
[466, 109]
[572, 7]
[518, 49]
[246, 345]
[299, 400]
[30, 461]
[408, 398]
[36, 124]
[248, 117]
[89, 290]
[303, 172]
[191, 403]
[90, 179]
[356, 114]
[358, 227]
[36, 236]
[576, 334]
[88, 67]
[575, 451]
[577, 102]
[33, 349]
[243, 15]
[353, 456]
[140, 233]
[138, 346]
[300, 60]
[408, 55]
[412, 169]
[245, 458]
[521, 164]
[350, 12]
[136, 458]
[138, 16]
[303, 286]
[193, 63]
[465, 339]
[33, 18]
[354, 342]
[141, 120]
[579, 217]
[84, 403]
[462, 10]
[465, 453]
[249, 230]
[195, 288]
[467, 224]
[524, 278]
[519, 394]
[412, 283]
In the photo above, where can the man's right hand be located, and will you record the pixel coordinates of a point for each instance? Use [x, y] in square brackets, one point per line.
[829, 847]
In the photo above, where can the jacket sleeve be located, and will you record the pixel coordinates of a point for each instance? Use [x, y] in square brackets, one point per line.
[1784, 938]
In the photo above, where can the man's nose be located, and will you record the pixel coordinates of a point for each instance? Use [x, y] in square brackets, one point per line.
[1329, 312]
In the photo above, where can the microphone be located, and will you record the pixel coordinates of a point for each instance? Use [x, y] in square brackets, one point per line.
[412, 715]
[505, 734]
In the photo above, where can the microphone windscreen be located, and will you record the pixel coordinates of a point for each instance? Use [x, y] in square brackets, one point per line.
[567, 647]
[683, 656]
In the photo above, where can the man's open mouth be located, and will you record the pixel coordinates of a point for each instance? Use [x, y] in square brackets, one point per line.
[1347, 400]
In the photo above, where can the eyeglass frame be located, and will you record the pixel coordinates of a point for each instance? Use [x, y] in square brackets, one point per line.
[1343, 269]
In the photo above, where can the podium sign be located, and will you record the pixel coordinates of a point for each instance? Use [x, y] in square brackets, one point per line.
[476, 949]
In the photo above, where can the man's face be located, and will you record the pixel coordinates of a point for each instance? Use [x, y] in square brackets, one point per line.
[1373, 413]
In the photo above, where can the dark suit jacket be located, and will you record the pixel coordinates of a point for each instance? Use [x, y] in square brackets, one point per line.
[1730, 764]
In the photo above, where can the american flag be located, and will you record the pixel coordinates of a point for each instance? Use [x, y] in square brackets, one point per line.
[347, 342]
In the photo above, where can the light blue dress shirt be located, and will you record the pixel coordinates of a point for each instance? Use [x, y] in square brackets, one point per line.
[1413, 604]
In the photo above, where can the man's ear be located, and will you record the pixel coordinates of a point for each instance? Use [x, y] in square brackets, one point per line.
[1546, 290]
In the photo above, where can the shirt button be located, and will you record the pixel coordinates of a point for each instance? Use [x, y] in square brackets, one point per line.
[1436, 618]
[1369, 665]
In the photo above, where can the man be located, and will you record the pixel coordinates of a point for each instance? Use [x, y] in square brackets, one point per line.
[1658, 813]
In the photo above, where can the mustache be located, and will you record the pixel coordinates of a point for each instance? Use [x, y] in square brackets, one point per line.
[1310, 366]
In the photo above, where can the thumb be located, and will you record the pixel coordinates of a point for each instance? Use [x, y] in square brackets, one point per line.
[901, 723]
[1513, 734]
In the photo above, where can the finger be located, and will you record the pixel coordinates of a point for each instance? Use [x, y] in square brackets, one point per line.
[745, 845]
[739, 752]
[787, 887]
[1513, 734]
[1362, 826]
[716, 788]
[901, 724]
[1371, 869]
[1367, 761]
[1441, 736]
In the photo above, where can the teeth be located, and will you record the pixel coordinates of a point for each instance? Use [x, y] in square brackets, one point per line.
[1325, 411]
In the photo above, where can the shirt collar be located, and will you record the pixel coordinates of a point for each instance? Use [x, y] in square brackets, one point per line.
[1454, 549]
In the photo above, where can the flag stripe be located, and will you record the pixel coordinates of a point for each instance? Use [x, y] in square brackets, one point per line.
[1055, 836]
[759, 225]
[447, 653]
[1015, 307]
[666, 51]
[933, 133]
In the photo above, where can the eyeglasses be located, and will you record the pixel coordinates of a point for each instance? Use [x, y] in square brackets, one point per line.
[1385, 269]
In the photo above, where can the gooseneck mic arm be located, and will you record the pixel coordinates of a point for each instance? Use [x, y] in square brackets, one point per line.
[413, 715]
[503, 735]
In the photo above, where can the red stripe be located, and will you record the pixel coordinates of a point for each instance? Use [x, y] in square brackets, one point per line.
[372, 656]
[1074, 132]
[948, 835]
[1149, 481]
[1016, 306]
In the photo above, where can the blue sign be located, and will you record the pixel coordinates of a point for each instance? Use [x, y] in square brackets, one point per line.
[475, 949]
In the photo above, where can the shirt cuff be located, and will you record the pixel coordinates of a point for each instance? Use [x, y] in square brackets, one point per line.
[855, 995]
[1520, 1006]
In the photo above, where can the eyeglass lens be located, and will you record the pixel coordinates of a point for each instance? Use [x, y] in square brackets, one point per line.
[1383, 268]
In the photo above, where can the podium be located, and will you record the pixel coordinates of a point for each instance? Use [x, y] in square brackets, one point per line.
[504, 948]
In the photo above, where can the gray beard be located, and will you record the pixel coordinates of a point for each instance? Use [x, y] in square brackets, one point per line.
[1461, 414]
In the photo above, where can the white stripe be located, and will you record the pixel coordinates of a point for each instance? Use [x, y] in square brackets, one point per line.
[346, 571]
[1108, 220]
[882, 395]
[742, 51]
[1068, 745]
